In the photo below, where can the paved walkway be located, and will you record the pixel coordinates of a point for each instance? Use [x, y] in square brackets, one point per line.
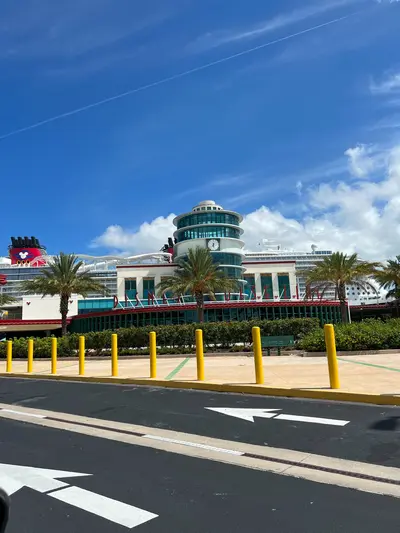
[377, 374]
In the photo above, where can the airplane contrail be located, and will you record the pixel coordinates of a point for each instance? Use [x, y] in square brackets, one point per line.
[174, 77]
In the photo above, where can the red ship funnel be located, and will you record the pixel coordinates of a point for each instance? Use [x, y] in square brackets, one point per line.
[27, 251]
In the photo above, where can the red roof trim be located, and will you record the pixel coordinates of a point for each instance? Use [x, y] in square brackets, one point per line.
[20, 322]
[226, 305]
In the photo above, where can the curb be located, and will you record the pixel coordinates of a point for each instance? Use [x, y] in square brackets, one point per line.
[314, 394]
[354, 352]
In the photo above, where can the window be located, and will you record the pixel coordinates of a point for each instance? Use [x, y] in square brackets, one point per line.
[213, 217]
[227, 259]
[94, 305]
[284, 287]
[232, 272]
[130, 288]
[250, 286]
[148, 286]
[208, 232]
[266, 287]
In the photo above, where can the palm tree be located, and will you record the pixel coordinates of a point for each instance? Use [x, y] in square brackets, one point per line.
[198, 275]
[62, 277]
[5, 299]
[388, 278]
[339, 270]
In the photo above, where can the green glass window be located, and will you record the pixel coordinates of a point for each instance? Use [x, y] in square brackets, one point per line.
[284, 286]
[227, 259]
[266, 287]
[208, 232]
[94, 306]
[148, 286]
[130, 288]
[213, 217]
[232, 272]
[250, 285]
[176, 316]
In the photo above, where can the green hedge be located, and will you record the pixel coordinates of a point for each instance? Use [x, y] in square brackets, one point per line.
[170, 339]
[370, 334]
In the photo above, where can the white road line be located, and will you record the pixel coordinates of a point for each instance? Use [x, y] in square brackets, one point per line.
[194, 445]
[113, 510]
[313, 420]
[22, 413]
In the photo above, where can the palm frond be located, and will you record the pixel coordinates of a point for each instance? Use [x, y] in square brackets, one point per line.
[62, 277]
[197, 274]
[5, 299]
[339, 270]
[388, 277]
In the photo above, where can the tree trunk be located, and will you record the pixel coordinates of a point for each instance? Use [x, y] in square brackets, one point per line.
[200, 307]
[64, 313]
[344, 311]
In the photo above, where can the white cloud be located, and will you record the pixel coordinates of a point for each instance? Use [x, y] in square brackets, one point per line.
[150, 236]
[363, 216]
[364, 160]
[280, 21]
[389, 123]
[64, 30]
[390, 84]
[273, 184]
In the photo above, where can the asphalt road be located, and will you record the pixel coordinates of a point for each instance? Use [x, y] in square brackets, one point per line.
[372, 434]
[188, 494]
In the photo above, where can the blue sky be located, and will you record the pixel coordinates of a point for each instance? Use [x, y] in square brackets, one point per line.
[301, 135]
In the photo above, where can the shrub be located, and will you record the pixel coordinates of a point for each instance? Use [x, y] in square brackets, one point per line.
[370, 334]
[170, 339]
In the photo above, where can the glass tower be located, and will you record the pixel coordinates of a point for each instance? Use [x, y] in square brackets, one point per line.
[210, 226]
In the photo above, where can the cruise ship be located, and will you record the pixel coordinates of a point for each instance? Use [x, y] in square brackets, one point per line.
[27, 254]
[27, 258]
[368, 294]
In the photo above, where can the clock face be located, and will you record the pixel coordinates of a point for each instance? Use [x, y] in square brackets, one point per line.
[213, 244]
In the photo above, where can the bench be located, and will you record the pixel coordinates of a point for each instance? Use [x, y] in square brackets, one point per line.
[283, 341]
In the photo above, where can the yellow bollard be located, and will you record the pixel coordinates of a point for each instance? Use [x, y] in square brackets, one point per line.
[30, 356]
[153, 354]
[54, 355]
[200, 354]
[81, 355]
[114, 355]
[258, 362]
[9, 356]
[331, 353]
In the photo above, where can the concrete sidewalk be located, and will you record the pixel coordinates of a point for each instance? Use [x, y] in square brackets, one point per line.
[363, 374]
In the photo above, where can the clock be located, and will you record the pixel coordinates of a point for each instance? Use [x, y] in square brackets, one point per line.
[213, 244]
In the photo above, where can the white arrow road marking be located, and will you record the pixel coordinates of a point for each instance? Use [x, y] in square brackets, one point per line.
[245, 414]
[118, 512]
[250, 414]
[14, 477]
[314, 420]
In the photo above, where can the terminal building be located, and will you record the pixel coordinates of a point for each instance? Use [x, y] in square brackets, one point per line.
[267, 281]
